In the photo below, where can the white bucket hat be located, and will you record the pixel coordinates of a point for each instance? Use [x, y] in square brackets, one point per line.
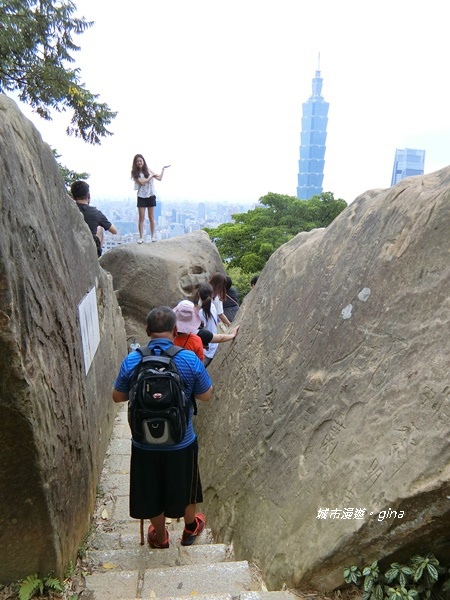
[188, 320]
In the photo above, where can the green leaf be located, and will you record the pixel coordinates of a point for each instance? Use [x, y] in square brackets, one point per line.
[392, 593]
[348, 578]
[378, 592]
[29, 586]
[53, 584]
[433, 560]
[368, 583]
[418, 573]
[391, 574]
[432, 571]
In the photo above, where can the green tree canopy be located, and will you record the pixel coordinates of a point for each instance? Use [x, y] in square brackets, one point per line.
[35, 54]
[255, 235]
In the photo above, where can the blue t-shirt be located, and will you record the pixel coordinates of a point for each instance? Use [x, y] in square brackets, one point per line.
[193, 373]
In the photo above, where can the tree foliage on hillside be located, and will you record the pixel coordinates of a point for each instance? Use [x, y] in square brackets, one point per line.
[255, 235]
[35, 53]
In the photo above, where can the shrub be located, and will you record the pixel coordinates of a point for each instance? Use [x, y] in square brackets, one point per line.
[421, 579]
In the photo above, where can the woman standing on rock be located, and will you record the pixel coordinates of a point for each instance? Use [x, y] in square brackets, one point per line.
[146, 199]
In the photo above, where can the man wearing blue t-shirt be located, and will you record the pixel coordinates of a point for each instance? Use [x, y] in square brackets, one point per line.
[165, 481]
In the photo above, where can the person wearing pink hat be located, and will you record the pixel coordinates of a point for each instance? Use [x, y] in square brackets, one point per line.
[188, 323]
[192, 336]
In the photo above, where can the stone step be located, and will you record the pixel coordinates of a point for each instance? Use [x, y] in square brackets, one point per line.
[128, 536]
[243, 596]
[143, 557]
[185, 581]
[285, 595]
[121, 569]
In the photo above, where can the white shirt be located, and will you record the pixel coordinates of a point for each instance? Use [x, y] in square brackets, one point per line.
[218, 304]
[146, 190]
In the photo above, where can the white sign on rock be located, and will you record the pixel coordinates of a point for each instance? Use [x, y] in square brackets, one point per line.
[90, 331]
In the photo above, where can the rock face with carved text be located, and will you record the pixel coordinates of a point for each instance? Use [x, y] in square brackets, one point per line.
[55, 418]
[161, 273]
[327, 441]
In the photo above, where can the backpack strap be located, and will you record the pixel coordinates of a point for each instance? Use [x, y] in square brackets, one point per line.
[233, 300]
[146, 351]
[172, 351]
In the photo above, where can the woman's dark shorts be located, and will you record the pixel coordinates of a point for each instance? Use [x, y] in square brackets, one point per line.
[164, 482]
[146, 202]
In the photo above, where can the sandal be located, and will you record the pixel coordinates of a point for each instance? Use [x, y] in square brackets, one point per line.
[152, 541]
[189, 536]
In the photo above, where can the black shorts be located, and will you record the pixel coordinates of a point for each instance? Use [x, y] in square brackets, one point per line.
[164, 482]
[146, 202]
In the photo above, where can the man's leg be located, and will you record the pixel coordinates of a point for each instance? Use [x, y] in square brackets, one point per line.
[194, 524]
[189, 514]
[158, 536]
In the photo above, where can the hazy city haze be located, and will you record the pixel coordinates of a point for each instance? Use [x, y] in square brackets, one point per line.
[216, 90]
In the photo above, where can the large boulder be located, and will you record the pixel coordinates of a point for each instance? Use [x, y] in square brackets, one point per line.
[159, 274]
[56, 412]
[327, 442]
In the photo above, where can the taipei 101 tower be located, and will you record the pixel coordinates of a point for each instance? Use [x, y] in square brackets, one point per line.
[312, 141]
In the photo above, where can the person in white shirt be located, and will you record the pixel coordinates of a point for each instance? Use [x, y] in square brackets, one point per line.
[146, 199]
[218, 283]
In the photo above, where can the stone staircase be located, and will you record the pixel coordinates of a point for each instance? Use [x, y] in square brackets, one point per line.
[118, 567]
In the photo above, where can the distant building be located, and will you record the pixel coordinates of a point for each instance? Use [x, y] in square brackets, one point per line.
[408, 162]
[176, 229]
[201, 211]
[158, 211]
[312, 142]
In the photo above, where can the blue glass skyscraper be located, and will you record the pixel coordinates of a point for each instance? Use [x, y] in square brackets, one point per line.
[312, 142]
[407, 162]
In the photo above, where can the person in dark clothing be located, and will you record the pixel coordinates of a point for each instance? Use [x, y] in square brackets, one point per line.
[94, 218]
[230, 304]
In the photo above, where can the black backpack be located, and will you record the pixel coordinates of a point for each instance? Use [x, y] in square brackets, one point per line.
[158, 410]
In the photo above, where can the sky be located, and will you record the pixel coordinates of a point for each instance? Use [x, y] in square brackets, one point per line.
[215, 89]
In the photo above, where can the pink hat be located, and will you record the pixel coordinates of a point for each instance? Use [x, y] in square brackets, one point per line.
[188, 320]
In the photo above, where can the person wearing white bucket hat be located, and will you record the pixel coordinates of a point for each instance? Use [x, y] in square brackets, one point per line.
[192, 336]
[188, 323]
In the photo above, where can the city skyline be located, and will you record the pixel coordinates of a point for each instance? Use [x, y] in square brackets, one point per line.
[171, 219]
